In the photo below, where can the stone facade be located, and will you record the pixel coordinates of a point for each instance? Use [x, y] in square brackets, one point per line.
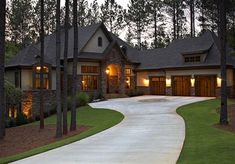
[31, 102]
[116, 58]
[169, 91]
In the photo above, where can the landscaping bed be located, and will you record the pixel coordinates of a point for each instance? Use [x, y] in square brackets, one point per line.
[204, 143]
[24, 138]
[24, 141]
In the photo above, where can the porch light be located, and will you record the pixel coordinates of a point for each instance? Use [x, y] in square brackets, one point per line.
[107, 71]
[218, 81]
[192, 81]
[168, 82]
[146, 82]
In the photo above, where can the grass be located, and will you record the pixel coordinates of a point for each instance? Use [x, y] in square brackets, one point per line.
[100, 120]
[205, 143]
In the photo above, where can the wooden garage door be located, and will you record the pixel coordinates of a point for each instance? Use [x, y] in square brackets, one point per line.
[158, 85]
[205, 86]
[181, 85]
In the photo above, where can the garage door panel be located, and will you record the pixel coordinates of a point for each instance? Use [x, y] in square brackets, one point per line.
[205, 86]
[181, 85]
[158, 86]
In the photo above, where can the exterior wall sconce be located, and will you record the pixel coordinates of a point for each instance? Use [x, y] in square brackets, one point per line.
[219, 80]
[168, 82]
[146, 82]
[107, 71]
[192, 81]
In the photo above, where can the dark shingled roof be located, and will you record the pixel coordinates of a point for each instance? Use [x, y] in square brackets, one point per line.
[26, 57]
[169, 57]
[172, 56]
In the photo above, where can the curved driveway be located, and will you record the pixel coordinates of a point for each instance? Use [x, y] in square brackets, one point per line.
[151, 133]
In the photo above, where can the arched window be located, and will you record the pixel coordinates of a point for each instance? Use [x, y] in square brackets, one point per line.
[100, 42]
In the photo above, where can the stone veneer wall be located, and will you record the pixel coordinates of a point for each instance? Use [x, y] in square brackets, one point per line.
[31, 102]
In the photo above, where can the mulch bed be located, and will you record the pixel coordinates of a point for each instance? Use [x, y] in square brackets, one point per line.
[24, 138]
[231, 115]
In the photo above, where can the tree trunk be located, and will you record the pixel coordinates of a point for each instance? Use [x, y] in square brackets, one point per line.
[192, 18]
[65, 105]
[174, 20]
[2, 67]
[58, 72]
[75, 61]
[155, 26]
[42, 65]
[222, 37]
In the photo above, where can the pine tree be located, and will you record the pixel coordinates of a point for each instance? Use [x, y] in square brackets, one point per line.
[58, 71]
[138, 18]
[2, 69]
[112, 15]
[65, 77]
[20, 21]
[42, 66]
[75, 63]
[157, 19]
[49, 18]
[222, 38]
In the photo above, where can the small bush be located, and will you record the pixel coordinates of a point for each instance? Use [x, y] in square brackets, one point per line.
[21, 119]
[10, 122]
[82, 99]
[91, 96]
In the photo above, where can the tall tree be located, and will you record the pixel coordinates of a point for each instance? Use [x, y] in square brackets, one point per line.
[2, 67]
[75, 63]
[175, 9]
[94, 13]
[58, 71]
[42, 66]
[65, 77]
[138, 18]
[20, 20]
[112, 14]
[222, 38]
[49, 17]
[157, 19]
[191, 4]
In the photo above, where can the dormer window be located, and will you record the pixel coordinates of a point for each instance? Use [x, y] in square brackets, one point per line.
[192, 59]
[100, 42]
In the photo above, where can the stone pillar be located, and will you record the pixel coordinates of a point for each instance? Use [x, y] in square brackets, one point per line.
[193, 93]
[169, 91]
[103, 78]
[122, 79]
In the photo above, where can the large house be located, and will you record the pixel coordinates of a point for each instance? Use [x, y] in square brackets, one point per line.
[108, 65]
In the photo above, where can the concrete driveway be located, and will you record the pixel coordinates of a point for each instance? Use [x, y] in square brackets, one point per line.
[151, 133]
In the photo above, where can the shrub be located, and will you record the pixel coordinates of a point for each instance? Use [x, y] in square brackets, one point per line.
[21, 119]
[91, 96]
[10, 122]
[82, 99]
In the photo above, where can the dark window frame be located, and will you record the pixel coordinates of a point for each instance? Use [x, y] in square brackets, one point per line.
[100, 42]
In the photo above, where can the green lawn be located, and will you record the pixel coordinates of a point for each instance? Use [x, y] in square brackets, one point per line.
[100, 120]
[205, 144]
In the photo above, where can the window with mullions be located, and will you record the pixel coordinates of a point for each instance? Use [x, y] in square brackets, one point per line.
[89, 82]
[37, 77]
[192, 59]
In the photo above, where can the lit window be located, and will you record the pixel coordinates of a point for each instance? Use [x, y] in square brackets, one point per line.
[100, 42]
[128, 71]
[89, 82]
[37, 77]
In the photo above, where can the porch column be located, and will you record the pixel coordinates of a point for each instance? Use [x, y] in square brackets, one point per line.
[103, 78]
